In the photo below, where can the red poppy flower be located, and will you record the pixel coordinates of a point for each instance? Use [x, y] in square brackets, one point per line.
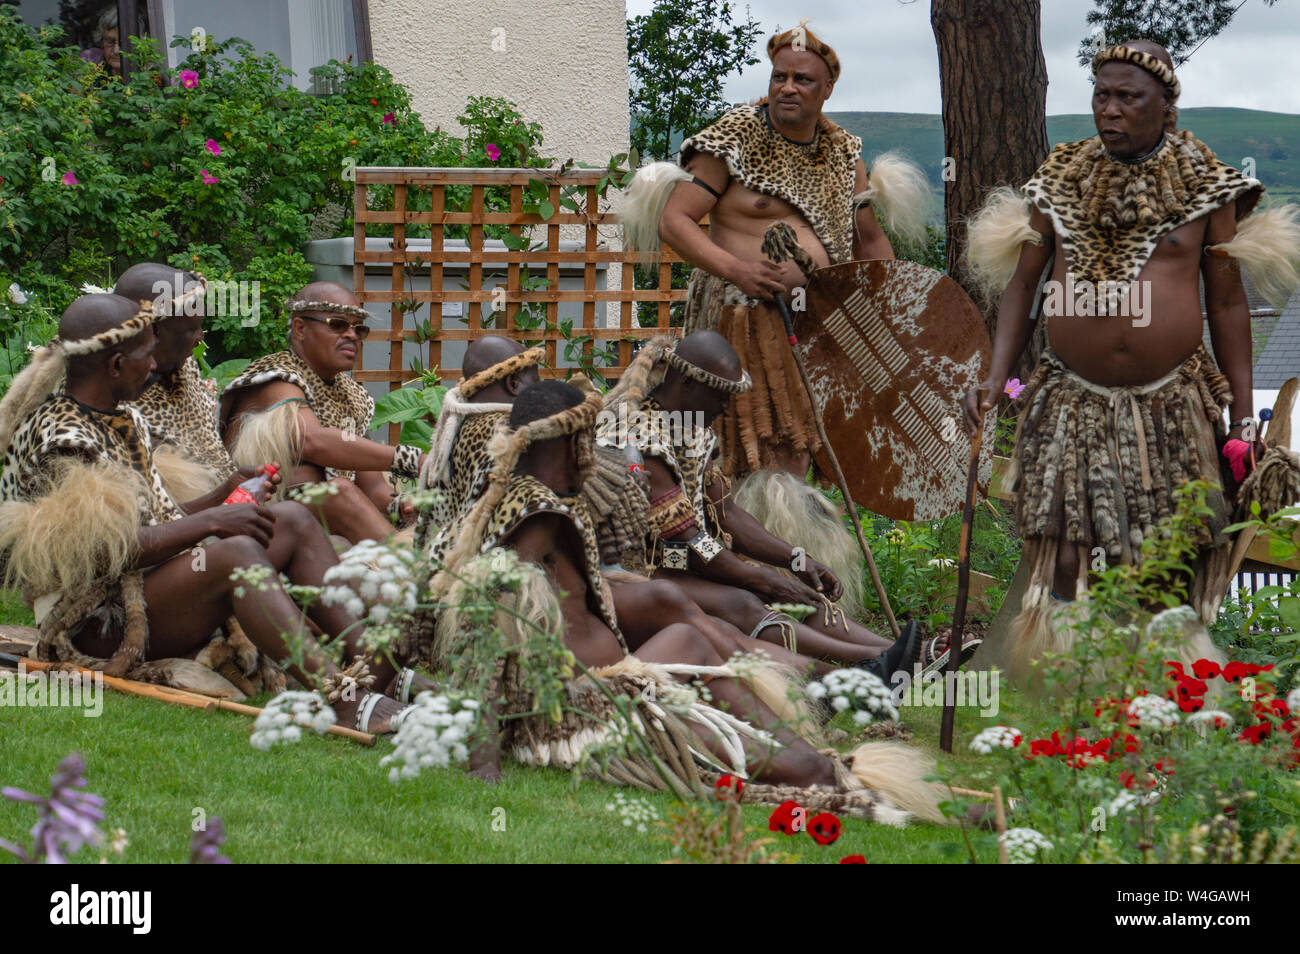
[1165, 765]
[824, 828]
[853, 860]
[1127, 779]
[1255, 734]
[1206, 669]
[1131, 743]
[1175, 669]
[1234, 671]
[374, 102]
[728, 786]
[787, 818]
[1048, 747]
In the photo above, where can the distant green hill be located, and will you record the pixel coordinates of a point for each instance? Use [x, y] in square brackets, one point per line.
[1273, 139]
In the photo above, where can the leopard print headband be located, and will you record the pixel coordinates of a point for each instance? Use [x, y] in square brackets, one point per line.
[1126, 54]
[295, 305]
[500, 371]
[137, 323]
[707, 378]
[194, 291]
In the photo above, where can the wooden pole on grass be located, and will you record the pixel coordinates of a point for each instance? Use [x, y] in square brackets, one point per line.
[963, 588]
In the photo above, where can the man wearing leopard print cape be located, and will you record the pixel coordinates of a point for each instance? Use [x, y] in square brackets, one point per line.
[778, 160]
[178, 405]
[533, 506]
[1126, 405]
[457, 467]
[120, 577]
[302, 406]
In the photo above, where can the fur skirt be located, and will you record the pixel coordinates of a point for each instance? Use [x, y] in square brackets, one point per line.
[763, 428]
[1096, 468]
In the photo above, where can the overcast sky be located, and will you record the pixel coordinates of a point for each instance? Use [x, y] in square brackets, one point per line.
[890, 63]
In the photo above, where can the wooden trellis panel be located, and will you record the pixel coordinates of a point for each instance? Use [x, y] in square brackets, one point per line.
[597, 226]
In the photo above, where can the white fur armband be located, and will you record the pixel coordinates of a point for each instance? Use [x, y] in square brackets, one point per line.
[994, 236]
[1267, 244]
[901, 196]
[643, 203]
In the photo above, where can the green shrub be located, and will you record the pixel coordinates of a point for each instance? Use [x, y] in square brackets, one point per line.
[223, 166]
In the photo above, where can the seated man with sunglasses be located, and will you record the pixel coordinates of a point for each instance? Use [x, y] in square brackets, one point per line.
[302, 406]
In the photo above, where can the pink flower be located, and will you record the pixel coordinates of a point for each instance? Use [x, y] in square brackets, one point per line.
[207, 178]
[189, 79]
[69, 178]
[212, 147]
[389, 118]
[1014, 388]
[493, 153]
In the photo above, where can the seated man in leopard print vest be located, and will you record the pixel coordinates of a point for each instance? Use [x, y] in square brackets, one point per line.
[120, 577]
[302, 406]
[179, 406]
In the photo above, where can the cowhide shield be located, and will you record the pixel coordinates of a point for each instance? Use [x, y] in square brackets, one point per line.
[891, 348]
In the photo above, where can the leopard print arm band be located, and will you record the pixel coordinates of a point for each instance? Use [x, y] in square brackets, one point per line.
[406, 462]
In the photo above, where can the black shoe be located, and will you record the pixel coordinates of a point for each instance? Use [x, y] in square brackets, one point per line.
[900, 656]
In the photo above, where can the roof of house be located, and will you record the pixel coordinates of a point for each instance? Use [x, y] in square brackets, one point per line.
[1280, 358]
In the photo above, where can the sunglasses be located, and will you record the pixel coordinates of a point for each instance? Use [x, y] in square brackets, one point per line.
[340, 326]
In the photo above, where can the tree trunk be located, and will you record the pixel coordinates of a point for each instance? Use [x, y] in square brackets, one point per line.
[994, 84]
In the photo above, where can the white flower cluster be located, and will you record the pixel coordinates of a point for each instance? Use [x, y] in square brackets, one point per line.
[1023, 845]
[897, 536]
[1154, 712]
[1167, 625]
[16, 294]
[433, 732]
[678, 695]
[996, 737]
[1208, 719]
[501, 569]
[633, 811]
[258, 576]
[311, 495]
[1127, 801]
[287, 715]
[856, 689]
[749, 665]
[1293, 701]
[373, 580]
[943, 563]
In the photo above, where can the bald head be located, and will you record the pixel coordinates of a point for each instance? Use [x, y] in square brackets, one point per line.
[151, 281]
[711, 352]
[91, 315]
[327, 291]
[484, 352]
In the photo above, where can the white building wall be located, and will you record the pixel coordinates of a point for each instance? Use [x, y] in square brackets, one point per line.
[564, 64]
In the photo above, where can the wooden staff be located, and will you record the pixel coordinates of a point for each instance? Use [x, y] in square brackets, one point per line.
[850, 507]
[170, 694]
[1000, 824]
[963, 587]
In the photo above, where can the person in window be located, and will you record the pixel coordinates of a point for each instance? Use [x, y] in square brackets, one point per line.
[106, 51]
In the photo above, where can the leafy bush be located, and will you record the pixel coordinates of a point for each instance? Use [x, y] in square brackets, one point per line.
[223, 166]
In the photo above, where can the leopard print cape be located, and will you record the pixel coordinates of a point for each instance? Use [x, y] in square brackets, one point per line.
[63, 427]
[1091, 198]
[686, 448]
[343, 404]
[182, 411]
[816, 179]
[527, 497]
[470, 468]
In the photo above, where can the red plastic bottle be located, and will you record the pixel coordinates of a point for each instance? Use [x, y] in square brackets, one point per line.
[255, 490]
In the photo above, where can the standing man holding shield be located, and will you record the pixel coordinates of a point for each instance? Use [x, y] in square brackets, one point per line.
[777, 160]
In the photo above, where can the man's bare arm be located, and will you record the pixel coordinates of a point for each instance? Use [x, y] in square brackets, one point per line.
[1229, 315]
[1014, 323]
[726, 567]
[679, 226]
[869, 239]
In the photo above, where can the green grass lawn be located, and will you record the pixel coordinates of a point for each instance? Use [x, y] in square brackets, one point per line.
[329, 800]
